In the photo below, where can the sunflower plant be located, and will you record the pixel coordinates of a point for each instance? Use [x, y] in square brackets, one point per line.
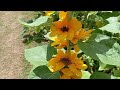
[80, 45]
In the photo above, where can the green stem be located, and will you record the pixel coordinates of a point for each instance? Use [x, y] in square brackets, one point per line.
[68, 45]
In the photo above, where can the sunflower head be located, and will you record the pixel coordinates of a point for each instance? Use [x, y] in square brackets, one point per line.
[60, 60]
[65, 29]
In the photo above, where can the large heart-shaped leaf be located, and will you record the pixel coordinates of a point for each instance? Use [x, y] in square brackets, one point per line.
[44, 73]
[100, 75]
[40, 54]
[39, 21]
[103, 48]
[32, 75]
[113, 26]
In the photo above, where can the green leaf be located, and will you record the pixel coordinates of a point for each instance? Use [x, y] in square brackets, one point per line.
[112, 19]
[44, 73]
[105, 66]
[94, 45]
[40, 54]
[116, 73]
[50, 51]
[112, 56]
[107, 14]
[113, 26]
[85, 74]
[100, 75]
[113, 77]
[102, 66]
[32, 75]
[103, 48]
[37, 55]
[39, 21]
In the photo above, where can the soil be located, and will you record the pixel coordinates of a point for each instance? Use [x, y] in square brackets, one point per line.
[12, 62]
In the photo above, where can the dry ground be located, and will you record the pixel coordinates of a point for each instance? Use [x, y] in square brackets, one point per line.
[12, 63]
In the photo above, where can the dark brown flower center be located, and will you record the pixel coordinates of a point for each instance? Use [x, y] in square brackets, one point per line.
[66, 61]
[64, 29]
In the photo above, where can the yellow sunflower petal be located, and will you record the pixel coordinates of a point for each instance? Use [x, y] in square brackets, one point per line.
[52, 61]
[75, 70]
[56, 27]
[59, 66]
[84, 34]
[67, 54]
[74, 24]
[60, 54]
[62, 15]
[52, 64]
[53, 31]
[48, 13]
[73, 56]
[62, 36]
[83, 67]
[65, 77]
[76, 48]
[70, 35]
[67, 72]
[55, 43]
[78, 63]
[74, 40]
[56, 66]
[58, 24]
[76, 77]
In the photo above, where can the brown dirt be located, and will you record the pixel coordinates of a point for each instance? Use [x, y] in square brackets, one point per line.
[12, 63]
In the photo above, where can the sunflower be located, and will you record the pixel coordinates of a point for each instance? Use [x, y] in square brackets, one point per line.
[66, 73]
[82, 34]
[48, 13]
[66, 28]
[68, 59]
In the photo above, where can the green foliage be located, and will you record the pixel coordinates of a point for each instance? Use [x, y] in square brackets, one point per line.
[39, 21]
[103, 48]
[107, 14]
[85, 75]
[116, 73]
[32, 75]
[35, 29]
[50, 51]
[40, 54]
[100, 75]
[44, 73]
[113, 26]
[37, 55]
